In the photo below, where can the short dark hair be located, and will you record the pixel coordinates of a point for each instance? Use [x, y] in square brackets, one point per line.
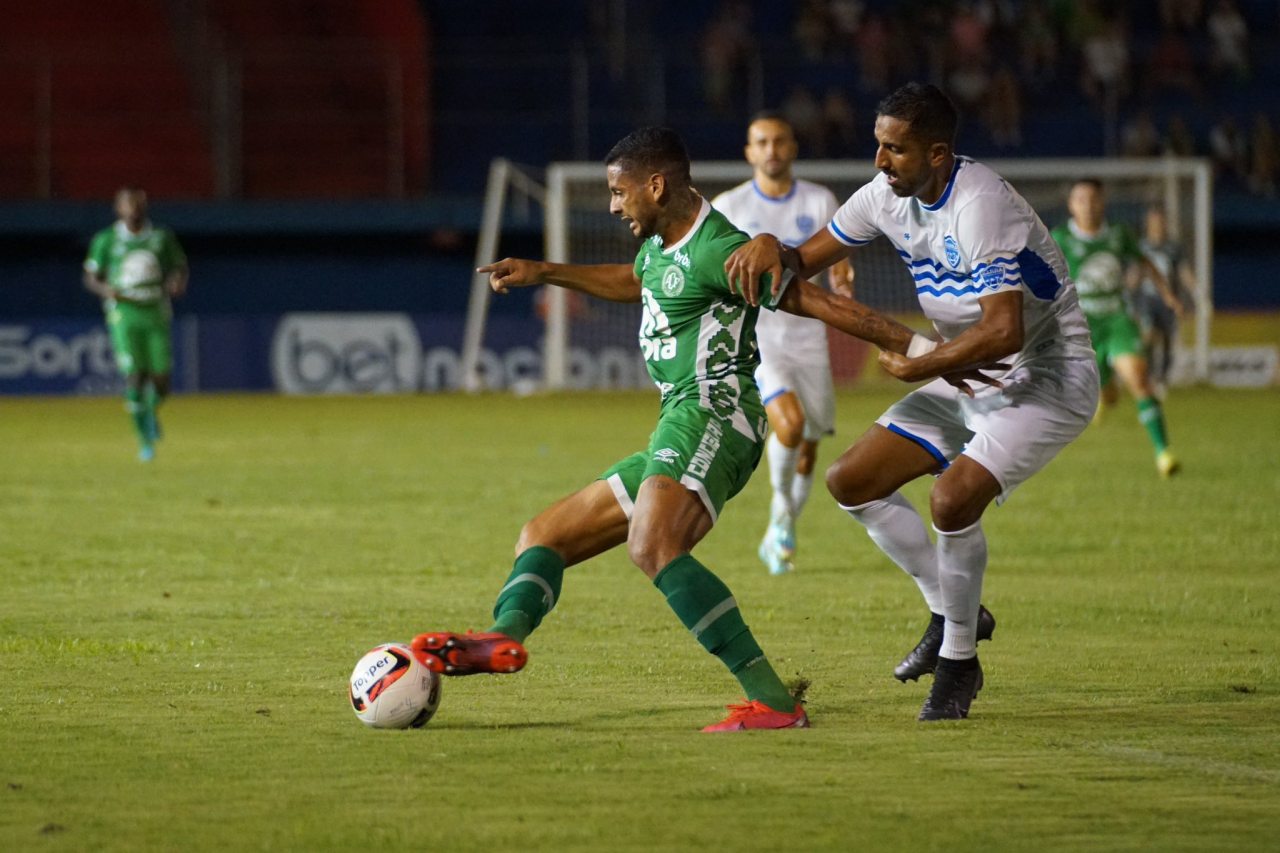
[1096, 183]
[769, 115]
[652, 149]
[926, 108]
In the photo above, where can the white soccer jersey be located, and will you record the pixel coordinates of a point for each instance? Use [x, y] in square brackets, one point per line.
[794, 218]
[981, 237]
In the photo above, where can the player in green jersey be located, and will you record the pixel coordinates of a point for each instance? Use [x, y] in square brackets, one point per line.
[698, 341]
[1100, 256]
[135, 268]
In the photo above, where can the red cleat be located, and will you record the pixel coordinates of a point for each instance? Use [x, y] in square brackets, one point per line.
[469, 653]
[757, 715]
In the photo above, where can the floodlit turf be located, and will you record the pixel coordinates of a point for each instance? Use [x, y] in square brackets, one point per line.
[175, 640]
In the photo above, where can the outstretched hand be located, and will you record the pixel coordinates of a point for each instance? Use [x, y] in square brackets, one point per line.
[512, 272]
[750, 261]
[901, 367]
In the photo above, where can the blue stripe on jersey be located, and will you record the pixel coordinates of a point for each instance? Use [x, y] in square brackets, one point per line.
[933, 451]
[1038, 275]
[946, 194]
[775, 395]
[843, 237]
[776, 200]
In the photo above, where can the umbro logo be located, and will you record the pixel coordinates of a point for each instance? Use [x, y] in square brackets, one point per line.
[666, 455]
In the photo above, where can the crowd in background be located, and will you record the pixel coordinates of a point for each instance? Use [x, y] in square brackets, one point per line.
[1171, 76]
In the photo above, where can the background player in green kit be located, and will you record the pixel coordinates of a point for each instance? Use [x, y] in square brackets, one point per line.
[135, 268]
[1099, 256]
[698, 341]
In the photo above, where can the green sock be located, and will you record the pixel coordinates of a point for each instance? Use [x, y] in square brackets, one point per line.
[531, 590]
[138, 412]
[151, 402]
[1152, 417]
[707, 608]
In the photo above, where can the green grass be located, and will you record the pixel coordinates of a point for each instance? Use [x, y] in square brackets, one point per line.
[175, 639]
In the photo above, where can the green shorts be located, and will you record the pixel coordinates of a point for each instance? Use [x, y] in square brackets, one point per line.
[1113, 335]
[140, 339]
[697, 449]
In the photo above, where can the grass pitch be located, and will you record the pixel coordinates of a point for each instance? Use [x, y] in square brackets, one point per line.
[175, 641]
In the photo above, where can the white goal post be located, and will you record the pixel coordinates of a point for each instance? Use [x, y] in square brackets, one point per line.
[579, 229]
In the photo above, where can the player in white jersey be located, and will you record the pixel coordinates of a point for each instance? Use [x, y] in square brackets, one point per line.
[995, 286]
[795, 368]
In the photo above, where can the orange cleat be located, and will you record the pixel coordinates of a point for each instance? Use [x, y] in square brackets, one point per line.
[757, 715]
[469, 653]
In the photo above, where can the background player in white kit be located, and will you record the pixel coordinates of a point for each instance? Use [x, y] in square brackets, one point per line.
[795, 367]
[995, 286]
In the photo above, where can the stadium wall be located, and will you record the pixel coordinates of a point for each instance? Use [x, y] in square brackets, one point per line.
[378, 269]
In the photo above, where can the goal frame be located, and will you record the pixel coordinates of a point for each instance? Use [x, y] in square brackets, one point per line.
[1169, 172]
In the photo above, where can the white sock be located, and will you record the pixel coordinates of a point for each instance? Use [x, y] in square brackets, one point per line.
[899, 531]
[962, 560]
[800, 488]
[782, 471]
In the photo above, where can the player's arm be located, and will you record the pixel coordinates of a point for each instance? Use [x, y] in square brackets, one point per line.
[766, 254]
[176, 284]
[97, 285]
[94, 265]
[1162, 283]
[806, 299]
[996, 335]
[614, 282]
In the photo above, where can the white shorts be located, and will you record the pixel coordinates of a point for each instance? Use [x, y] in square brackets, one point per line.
[1012, 432]
[811, 383]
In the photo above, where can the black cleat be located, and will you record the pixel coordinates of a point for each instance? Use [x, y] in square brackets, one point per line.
[924, 657]
[955, 684]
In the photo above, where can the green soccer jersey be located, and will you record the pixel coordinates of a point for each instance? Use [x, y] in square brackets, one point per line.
[1098, 263]
[135, 265]
[697, 337]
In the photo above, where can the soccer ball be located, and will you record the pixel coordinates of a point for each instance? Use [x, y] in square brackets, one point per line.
[391, 689]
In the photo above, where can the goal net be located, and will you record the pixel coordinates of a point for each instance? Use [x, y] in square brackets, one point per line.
[590, 343]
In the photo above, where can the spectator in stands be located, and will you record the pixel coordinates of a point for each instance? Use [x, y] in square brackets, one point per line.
[1180, 15]
[812, 30]
[803, 113]
[1139, 136]
[1171, 67]
[1038, 45]
[968, 36]
[1178, 138]
[1104, 73]
[727, 47]
[968, 83]
[1263, 155]
[846, 18]
[1228, 41]
[1229, 149]
[874, 63]
[1004, 109]
[839, 124]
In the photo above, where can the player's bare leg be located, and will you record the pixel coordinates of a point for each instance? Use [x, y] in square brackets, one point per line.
[575, 528]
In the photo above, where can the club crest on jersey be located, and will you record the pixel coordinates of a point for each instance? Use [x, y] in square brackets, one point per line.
[992, 276]
[952, 249]
[804, 224]
[673, 281]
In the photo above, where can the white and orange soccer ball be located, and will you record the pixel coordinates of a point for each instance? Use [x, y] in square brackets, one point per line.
[391, 689]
